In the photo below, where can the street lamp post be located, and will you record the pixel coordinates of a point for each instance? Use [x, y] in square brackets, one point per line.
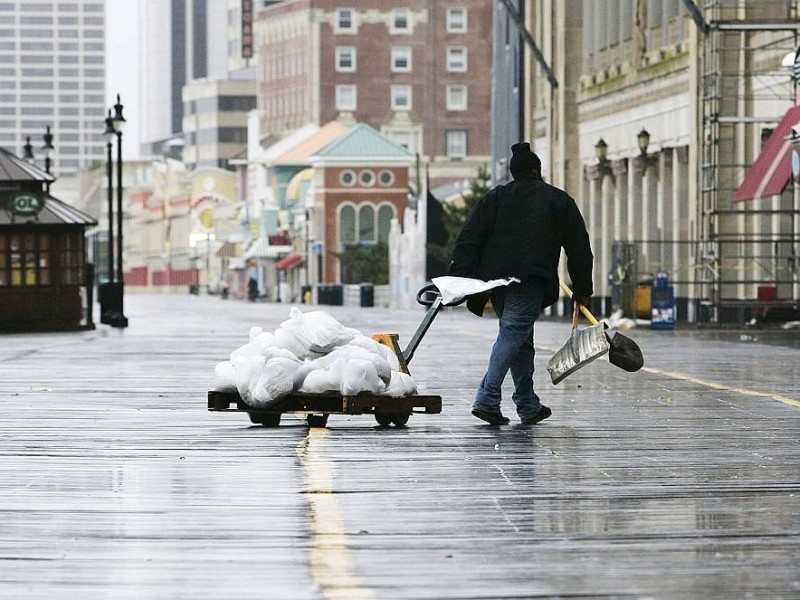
[49, 151]
[109, 134]
[118, 123]
[27, 150]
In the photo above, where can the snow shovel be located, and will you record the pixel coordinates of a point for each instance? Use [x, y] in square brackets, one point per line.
[623, 352]
[582, 347]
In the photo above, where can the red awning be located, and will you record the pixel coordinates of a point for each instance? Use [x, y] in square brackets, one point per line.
[772, 170]
[289, 262]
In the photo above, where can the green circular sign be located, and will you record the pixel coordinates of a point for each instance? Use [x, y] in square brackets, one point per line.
[25, 204]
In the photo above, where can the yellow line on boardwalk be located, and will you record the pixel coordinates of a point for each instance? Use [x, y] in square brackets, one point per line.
[720, 386]
[331, 563]
[689, 378]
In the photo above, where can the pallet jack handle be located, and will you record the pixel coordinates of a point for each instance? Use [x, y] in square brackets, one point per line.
[429, 296]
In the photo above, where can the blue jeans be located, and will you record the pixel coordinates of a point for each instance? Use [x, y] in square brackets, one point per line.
[518, 307]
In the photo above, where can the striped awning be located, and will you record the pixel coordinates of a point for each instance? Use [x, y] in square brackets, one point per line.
[772, 170]
[289, 262]
[261, 248]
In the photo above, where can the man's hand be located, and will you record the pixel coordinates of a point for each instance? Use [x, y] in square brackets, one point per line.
[581, 300]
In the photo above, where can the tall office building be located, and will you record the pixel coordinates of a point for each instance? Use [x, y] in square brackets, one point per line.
[52, 73]
[182, 41]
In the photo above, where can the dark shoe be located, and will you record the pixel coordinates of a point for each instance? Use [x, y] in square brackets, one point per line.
[541, 415]
[493, 417]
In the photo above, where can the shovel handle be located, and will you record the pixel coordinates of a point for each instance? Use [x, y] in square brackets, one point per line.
[589, 316]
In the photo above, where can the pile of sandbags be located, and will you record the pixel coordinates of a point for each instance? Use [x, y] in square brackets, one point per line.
[311, 353]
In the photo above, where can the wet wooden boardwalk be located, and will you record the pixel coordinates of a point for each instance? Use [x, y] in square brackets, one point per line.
[682, 481]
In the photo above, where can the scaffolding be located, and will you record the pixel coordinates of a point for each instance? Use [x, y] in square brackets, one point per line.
[746, 254]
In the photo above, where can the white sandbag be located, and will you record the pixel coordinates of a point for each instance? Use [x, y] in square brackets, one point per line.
[402, 384]
[275, 381]
[247, 369]
[257, 344]
[317, 331]
[286, 338]
[350, 352]
[381, 350]
[323, 379]
[225, 377]
[359, 375]
[278, 352]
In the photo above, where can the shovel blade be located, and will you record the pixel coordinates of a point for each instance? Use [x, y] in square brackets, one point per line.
[625, 353]
[583, 346]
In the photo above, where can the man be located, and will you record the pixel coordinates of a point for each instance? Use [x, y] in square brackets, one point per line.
[518, 230]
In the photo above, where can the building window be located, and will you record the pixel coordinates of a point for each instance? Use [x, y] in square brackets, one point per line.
[366, 223]
[401, 20]
[346, 97]
[347, 224]
[345, 20]
[457, 143]
[367, 178]
[456, 20]
[401, 97]
[345, 59]
[401, 59]
[347, 178]
[456, 97]
[386, 178]
[457, 59]
[385, 216]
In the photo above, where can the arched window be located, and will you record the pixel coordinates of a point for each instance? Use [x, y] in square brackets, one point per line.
[347, 224]
[385, 216]
[366, 223]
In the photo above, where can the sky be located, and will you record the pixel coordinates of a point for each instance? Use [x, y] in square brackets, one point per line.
[122, 67]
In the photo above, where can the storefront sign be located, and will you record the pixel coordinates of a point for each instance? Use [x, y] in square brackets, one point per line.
[25, 205]
[247, 28]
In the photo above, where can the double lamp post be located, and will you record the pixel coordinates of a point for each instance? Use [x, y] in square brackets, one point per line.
[112, 291]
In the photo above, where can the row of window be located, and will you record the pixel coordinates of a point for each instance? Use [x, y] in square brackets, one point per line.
[50, 6]
[362, 223]
[47, 20]
[401, 97]
[366, 178]
[401, 59]
[50, 33]
[62, 59]
[64, 72]
[400, 20]
[27, 259]
[220, 104]
[50, 46]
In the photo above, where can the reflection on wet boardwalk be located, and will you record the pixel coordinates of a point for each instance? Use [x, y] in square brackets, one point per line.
[681, 481]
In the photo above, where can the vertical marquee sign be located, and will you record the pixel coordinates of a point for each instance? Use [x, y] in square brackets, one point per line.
[247, 28]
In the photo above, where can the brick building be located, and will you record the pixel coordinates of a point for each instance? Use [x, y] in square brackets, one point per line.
[419, 73]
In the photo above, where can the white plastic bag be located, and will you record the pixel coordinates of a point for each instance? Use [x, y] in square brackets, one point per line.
[275, 381]
[327, 378]
[316, 331]
[360, 375]
[247, 369]
[402, 384]
[225, 377]
[454, 289]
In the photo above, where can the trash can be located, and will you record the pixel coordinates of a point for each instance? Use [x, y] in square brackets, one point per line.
[367, 294]
[322, 294]
[336, 295]
[662, 302]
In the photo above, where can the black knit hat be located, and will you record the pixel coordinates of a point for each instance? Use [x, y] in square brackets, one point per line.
[523, 161]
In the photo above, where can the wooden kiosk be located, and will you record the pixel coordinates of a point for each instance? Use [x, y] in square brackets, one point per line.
[43, 275]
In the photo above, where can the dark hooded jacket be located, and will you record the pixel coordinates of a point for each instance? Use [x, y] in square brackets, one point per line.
[518, 230]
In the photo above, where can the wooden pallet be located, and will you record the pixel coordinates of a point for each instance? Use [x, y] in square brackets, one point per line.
[387, 410]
